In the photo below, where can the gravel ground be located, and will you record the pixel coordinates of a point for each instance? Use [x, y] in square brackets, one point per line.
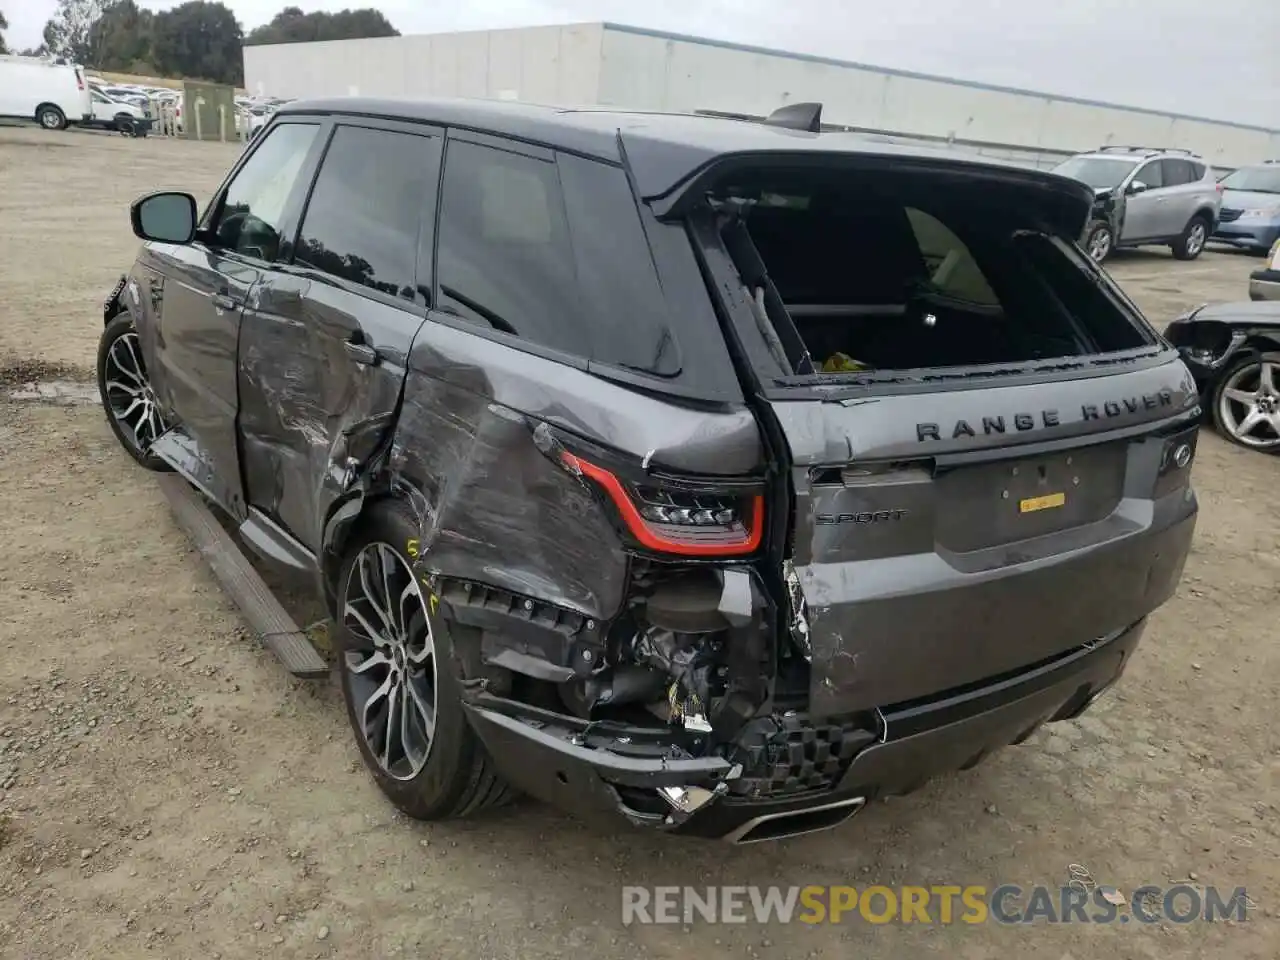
[167, 790]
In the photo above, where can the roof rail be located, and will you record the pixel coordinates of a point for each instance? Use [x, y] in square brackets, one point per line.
[1145, 151]
[797, 116]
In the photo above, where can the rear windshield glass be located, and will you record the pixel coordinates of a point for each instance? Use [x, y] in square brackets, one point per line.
[899, 276]
[1254, 179]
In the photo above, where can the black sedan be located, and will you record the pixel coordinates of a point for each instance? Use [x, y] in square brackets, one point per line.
[1233, 351]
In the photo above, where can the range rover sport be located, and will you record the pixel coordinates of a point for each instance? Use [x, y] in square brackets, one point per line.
[709, 475]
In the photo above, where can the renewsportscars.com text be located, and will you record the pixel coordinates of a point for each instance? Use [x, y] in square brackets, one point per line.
[1006, 904]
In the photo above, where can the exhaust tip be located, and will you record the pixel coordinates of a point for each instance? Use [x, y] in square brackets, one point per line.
[795, 823]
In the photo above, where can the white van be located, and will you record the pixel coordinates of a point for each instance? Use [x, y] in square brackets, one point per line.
[52, 94]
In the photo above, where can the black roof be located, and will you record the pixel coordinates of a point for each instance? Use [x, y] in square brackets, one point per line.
[662, 149]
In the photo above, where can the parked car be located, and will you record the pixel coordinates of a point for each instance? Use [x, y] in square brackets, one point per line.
[127, 118]
[1264, 284]
[1233, 351]
[1145, 196]
[1250, 216]
[693, 473]
[127, 95]
[50, 92]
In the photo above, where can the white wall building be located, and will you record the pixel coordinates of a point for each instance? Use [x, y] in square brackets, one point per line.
[603, 64]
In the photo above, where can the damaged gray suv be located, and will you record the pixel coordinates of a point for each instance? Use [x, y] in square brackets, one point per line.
[708, 475]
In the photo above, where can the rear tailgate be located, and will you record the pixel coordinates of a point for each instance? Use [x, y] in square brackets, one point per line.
[945, 538]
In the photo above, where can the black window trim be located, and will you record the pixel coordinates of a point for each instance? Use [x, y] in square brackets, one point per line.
[291, 216]
[291, 266]
[463, 131]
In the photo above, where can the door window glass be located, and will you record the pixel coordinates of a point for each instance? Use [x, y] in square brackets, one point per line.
[374, 194]
[952, 269]
[1150, 175]
[505, 259]
[250, 219]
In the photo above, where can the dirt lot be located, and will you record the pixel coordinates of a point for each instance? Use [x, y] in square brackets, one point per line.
[167, 790]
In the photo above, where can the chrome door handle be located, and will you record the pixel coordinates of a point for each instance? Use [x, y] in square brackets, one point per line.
[222, 301]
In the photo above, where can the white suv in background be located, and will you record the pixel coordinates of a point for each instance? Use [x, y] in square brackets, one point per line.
[1144, 195]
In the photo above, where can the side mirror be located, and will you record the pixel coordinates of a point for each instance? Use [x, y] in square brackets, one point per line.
[167, 217]
[1137, 186]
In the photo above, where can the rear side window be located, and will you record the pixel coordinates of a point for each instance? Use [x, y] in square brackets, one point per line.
[505, 259]
[1176, 172]
[622, 299]
[374, 193]
[553, 252]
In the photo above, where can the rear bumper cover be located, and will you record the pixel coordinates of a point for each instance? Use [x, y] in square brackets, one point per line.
[920, 740]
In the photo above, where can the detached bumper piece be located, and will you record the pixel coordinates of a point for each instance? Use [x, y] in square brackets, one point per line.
[1264, 285]
[809, 776]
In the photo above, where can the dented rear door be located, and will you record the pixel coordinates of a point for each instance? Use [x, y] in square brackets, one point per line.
[325, 338]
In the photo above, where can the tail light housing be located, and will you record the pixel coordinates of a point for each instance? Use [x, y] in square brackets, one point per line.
[79, 79]
[680, 516]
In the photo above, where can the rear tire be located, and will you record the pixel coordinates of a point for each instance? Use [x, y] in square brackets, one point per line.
[395, 668]
[51, 117]
[122, 386]
[1194, 236]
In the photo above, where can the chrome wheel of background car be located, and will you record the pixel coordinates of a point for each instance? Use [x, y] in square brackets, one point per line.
[129, 395]
[1100, 244]
[1195, 238]
[391, 664]
[1249, 405]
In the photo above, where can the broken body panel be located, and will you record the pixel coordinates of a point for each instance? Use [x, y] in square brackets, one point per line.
[734, 615]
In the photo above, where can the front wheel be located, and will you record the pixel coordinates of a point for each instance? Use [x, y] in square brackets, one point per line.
[1246, 404]
[127, 397]
[403, 701]
[1099, 242]
[1191, 244]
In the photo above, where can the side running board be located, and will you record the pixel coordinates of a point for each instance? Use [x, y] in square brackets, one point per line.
[269, 621]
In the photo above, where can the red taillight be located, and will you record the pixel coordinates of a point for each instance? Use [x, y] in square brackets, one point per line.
[79, 79]
[688, 525]
[1219, 187]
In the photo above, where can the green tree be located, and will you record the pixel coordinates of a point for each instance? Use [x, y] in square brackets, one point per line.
[4, 25]
[69, 32]
[291, 25]
[200, 39]
[121, 36]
